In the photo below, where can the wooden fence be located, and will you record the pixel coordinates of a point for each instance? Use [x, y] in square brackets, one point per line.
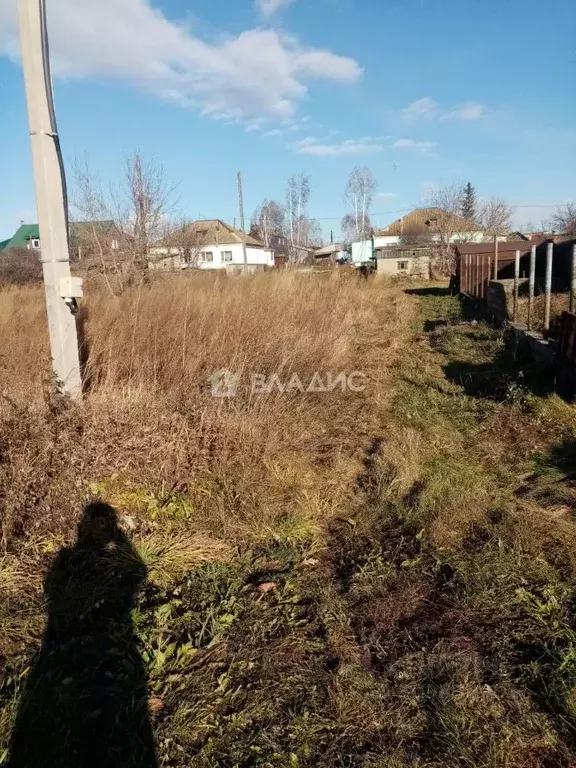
[566, 358]
[476, 271]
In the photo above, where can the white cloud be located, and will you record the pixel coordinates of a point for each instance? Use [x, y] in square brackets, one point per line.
[287, 127]
[429, 109]
[423, 109]
[269, 7]
[318, 148]
[425, 147]
[260, 72]
[469, 112]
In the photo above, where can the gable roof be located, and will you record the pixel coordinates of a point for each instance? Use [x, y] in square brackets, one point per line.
[213, 232]
[329, 250]
[24, 233]
[417, 220]
[32, 232]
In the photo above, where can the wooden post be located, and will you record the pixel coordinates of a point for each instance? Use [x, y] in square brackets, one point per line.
[573, 282]
[532, 285]
[516, 285]
[495, 257]
[549, 256]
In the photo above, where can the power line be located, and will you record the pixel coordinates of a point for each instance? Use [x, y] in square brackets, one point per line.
[408, 210]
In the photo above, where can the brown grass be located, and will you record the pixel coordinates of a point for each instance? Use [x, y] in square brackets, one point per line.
[149, 427]
[366, 579]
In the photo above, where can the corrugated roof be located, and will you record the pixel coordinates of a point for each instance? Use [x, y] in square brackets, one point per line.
[213, 232]
[24, 233]
[418, 218]
[327, 250]
[32, 232]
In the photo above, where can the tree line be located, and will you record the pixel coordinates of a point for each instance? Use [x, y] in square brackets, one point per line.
[142, 206]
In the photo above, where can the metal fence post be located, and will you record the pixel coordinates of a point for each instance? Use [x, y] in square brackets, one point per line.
[495, 257]
[516, 285]
[549, 257]
[532, 285]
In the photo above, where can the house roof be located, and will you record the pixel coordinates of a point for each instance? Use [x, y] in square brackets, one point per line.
[213, 232]
[24, 233]
[418, 218]
[328, 250]
[3, 244]
[32, 232]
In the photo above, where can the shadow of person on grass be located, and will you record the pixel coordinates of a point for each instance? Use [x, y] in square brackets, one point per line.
[84, 704]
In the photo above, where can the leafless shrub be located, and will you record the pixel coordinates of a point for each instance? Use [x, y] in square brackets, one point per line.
[20, 267]
[140, 205]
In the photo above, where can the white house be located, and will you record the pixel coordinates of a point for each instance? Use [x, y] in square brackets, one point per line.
[209, 244]
[419, 224]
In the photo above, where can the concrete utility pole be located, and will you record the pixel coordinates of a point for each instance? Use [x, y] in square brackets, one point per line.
[61, 289]
[241, 205]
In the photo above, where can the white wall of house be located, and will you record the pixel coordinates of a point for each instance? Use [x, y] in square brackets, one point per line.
[416, 267]
[362, 251]
[214, 257]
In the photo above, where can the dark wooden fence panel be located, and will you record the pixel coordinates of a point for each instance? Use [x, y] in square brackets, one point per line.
[566, 358]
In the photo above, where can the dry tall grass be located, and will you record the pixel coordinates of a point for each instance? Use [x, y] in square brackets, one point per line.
[149, 426]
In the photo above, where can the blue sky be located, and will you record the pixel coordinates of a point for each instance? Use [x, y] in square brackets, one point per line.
[421, 91]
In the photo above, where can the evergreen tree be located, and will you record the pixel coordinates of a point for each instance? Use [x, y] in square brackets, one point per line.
[468, 202]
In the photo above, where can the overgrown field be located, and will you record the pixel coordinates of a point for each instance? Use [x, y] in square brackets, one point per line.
[354, 579]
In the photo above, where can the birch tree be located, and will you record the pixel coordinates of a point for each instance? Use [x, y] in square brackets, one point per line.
[297, 197]
[358, 196]
[267, 221]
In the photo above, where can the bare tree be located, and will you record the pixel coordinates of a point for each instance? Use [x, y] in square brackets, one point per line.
[297, 196]
[564, 220]
[445, 225]
[180, 248]
[139, 205]
[267, 221]
[311, 233]
[495, 217]
[358, 195]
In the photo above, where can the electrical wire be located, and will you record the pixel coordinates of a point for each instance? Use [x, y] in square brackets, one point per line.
[51, 109]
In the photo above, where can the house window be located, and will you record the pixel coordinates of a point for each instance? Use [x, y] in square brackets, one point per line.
[207, 256]
[34, 243]
[403, 266]
[226, 255]
[114, 245]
